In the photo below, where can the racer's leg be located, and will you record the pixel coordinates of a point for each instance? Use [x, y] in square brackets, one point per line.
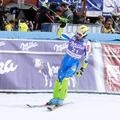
[66, 71]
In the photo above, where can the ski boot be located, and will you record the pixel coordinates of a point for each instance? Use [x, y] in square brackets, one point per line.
[55, 101]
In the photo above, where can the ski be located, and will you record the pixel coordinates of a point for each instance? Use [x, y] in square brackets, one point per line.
[36, 106]
[49, 107]
[53, 107]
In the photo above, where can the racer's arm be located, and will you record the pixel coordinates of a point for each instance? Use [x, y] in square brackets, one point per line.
[85, 62]
[63, 22]
[88, 51]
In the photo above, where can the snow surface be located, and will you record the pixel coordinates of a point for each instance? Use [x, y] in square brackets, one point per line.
[82, 107]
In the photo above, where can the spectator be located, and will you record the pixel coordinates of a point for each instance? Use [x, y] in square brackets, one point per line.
[2, 14]
[107, 28]
[66, 12]
[30, 25]
[78, 17]
[9, 26]
[116, 23]
[42, 16]
[37, 20]
[117, 29]
[23, 27]
[101, 20]
[54, 6]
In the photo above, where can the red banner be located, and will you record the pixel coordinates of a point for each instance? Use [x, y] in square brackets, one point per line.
[111, 59]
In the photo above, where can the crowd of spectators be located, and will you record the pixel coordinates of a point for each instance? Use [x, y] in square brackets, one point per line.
[53, 13]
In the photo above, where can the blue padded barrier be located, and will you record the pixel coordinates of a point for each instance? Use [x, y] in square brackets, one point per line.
[37, 35]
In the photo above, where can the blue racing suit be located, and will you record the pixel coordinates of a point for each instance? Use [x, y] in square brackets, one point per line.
[77, 49]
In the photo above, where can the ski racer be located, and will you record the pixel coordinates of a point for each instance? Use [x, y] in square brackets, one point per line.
[77, 56]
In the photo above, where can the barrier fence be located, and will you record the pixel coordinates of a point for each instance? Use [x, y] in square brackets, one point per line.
[37, 35]
[33, 65]
[53, 27]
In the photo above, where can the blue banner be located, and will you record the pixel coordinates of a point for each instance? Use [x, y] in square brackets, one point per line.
[55, 1]
[94, 5]
[67, 1]
[79, 5]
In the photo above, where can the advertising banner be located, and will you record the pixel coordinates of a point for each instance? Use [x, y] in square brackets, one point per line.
[111, 57]
[33, 65]
[59, 1]
[111, 7]
[79, 6]
[94, 7]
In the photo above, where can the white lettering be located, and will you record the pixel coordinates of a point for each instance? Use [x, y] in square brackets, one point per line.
[7, 67]
[61, 47]
[27, 46]
[2, 43]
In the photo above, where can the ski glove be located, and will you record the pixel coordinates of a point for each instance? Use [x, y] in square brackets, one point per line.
[79, 73]
[63, 20]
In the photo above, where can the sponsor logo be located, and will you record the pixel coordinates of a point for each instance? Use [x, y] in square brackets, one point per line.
[47, 71]
[76, 45]
[60, 47]
[7, 67]
[2, 43]
[28, 45]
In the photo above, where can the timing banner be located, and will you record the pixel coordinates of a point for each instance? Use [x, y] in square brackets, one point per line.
[111, 58]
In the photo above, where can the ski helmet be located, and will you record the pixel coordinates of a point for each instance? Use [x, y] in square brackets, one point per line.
[83, 30]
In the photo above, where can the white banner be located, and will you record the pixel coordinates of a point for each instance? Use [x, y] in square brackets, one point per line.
[111, 6]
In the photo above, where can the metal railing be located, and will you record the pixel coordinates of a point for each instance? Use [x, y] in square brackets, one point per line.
[53, 27]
